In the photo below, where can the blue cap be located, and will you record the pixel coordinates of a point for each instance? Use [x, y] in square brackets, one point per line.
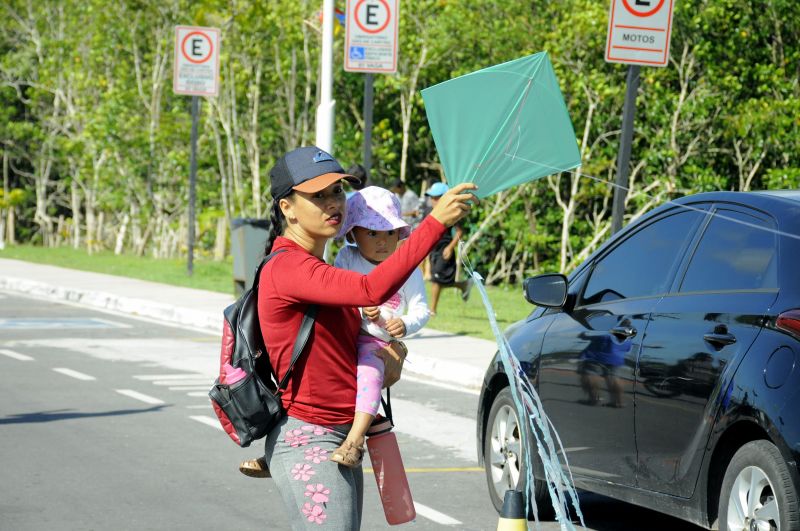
[437, 190]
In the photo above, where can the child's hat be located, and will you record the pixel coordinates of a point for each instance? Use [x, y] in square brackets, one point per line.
[374, 208]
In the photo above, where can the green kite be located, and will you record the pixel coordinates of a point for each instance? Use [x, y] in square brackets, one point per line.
[502, 126]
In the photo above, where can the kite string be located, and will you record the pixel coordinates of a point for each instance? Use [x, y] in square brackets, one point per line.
[533, 422]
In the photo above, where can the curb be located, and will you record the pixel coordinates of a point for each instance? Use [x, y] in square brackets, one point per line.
[427, 367]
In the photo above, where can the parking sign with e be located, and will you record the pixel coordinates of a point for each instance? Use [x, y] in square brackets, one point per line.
[371, 36]
[196, 70]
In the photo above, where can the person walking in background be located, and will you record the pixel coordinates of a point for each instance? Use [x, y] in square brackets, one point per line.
[409, 202]
[443, 256]
[308, 208]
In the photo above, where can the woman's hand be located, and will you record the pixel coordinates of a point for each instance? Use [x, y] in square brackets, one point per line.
[393, 356]
[454, 204]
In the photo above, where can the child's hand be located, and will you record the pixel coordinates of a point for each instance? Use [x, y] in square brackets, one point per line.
[373, 313]
[396, 327]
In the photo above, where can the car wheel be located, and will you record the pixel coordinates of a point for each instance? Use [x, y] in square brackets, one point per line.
[757, 491]
[504, 460]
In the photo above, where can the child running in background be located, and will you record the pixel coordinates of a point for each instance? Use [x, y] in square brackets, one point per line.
[374, 225]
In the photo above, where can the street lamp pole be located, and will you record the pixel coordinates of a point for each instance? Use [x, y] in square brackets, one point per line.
[324, 134]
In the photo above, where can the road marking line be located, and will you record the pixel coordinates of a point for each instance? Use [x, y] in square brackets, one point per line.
[15, 355]
[436, 516]
[205, 406]
[169, 376]
[198, 393]
[190, 388]
[437, 470]
[441, 385]
[74, 374]
[208, 421]
[139, 396]
[205, 381]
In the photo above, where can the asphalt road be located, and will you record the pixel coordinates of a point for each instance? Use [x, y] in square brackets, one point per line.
[105, 424]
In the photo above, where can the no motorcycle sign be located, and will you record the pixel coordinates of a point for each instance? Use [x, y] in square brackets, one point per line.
[639, 31]
[196, 71]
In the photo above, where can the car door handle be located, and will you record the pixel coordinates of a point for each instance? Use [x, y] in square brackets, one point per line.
[623, 331]
[720, 340]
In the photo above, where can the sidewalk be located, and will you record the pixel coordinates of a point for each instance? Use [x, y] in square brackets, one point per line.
[434, 355]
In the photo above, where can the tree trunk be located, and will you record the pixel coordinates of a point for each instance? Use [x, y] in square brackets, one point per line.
[221, 239]
[123, 228]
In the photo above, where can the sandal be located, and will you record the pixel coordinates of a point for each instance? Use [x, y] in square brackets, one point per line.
[348, 454]
[255, 468]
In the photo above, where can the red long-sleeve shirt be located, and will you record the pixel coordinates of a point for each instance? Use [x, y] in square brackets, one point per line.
[322, 389]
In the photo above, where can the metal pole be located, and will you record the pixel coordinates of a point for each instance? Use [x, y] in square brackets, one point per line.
[324, 137]
[624, 157]
[368, 99]
[192, 183]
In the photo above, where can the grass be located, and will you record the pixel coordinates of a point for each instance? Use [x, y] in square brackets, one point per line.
[452, 316]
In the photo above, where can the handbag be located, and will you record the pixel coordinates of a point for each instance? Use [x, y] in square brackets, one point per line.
[246, 396]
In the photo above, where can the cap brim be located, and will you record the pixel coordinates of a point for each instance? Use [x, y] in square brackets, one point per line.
[323, 181]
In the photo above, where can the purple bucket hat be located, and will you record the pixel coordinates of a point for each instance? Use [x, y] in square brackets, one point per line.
[374, 208]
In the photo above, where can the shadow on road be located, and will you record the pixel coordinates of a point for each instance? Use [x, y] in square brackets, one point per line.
[606, 514]
[65, 414]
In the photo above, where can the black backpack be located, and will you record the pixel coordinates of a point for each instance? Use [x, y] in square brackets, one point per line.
[246, 395]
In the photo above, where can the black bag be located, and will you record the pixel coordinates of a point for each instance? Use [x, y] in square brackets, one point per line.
[246, 396]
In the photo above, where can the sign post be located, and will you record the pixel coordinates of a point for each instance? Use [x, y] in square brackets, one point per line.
[371, 48]
[638, 34]
[196, 73]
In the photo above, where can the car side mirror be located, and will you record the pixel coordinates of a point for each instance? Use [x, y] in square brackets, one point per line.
[548, 290]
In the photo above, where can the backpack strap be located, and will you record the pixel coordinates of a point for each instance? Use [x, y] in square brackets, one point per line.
[299, 343]
[302, 334]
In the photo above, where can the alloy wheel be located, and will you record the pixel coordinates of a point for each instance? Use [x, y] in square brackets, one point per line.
[505, 447]
[752, 503]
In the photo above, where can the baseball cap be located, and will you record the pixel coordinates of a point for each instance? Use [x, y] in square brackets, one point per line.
[306, 169]
[437, 190]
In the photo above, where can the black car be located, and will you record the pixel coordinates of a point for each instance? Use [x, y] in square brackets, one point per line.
[669, 364]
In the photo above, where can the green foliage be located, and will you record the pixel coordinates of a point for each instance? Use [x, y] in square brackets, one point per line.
[90, 123]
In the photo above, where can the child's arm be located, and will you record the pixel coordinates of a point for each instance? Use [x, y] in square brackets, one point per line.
[417, 313]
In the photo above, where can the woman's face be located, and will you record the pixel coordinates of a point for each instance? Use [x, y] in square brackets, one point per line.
[375, 245]
[318, 215]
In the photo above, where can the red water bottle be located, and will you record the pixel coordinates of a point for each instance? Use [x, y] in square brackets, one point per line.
[391, 478]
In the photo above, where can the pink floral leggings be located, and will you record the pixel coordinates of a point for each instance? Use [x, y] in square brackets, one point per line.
[317, 493]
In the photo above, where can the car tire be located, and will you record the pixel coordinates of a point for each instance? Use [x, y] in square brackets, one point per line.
[757, 491]
[504, 461]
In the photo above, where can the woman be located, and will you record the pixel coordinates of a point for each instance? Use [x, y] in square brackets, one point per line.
[309, 209]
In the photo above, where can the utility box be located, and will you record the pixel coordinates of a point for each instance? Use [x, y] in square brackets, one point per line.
[248, 239]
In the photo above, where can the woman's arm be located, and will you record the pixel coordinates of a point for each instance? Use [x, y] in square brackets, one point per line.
[300, 277]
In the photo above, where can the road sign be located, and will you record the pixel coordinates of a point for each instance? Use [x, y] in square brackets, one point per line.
[639, 31]
[196, 70]
[371, 36]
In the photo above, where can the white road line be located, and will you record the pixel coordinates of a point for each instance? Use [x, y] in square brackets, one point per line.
[436, 516]
[195, 406]
[169, 376]
[441, 385]
[190, 388]
[209, 421]
[204, 381]
[15, 355]
[198, 393]
[74, 374]
[139, 396]
[440, 428]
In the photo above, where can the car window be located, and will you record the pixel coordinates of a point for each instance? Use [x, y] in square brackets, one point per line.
[641, 265]
[737, 252]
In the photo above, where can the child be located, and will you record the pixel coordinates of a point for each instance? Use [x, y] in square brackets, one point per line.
[374, 225]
